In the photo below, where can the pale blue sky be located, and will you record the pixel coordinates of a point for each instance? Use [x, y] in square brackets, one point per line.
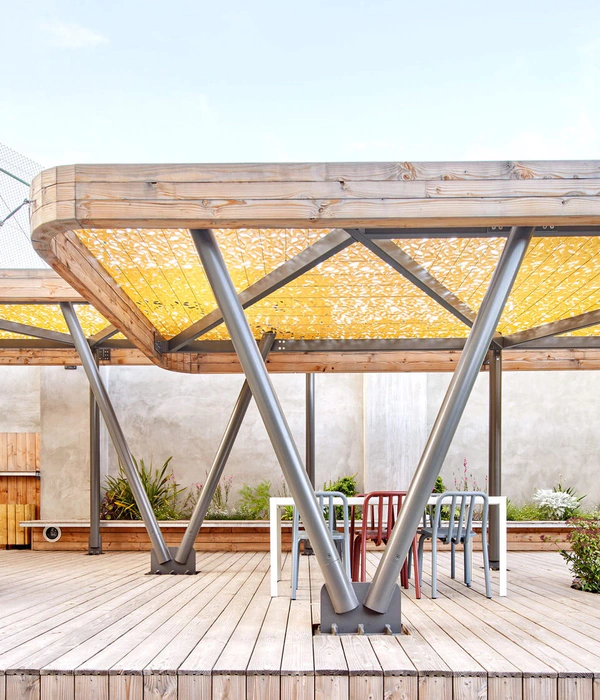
[142, 81]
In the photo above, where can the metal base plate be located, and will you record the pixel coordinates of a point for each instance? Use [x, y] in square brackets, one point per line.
[172, 567]
[361, 620]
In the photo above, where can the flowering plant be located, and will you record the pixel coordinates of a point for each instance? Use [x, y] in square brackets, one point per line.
[556, 504]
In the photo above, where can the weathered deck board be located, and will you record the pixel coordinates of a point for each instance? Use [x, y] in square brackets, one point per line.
[109, 632]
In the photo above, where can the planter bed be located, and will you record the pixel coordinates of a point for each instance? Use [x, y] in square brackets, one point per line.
[249, 535]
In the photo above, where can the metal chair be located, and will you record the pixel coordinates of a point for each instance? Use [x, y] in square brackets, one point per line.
[451, 522]
[326, 503]
[380, 511]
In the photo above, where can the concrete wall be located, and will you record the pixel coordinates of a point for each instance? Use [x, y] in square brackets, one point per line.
[19, 399]
[169, 414]
[374, 426]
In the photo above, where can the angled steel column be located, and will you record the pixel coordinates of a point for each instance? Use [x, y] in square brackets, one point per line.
[495, 451]
[337, 582]
[95, 540]
[472, 357]
[310, 427]
[220, 460]
[116, 434]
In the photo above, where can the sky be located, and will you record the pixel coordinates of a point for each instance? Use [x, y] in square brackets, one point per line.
[233, 81]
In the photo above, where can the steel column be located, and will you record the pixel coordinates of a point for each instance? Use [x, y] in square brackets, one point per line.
[95, 540]
[116, 434]
[310, 427]
[495, 451]
[220, 460]
[337, 582]
[479, 340]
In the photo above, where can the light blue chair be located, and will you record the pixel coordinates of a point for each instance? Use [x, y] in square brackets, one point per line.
[340, 539]
[450, 520]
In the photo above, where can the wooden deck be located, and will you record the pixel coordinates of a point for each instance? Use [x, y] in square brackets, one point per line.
[73, 626]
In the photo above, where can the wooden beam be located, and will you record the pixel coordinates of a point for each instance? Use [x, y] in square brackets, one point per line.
[518, 359]
[318, 194]
[74, 262]
[34, 287]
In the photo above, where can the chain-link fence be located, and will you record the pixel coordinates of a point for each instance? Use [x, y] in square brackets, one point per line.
[16, 173]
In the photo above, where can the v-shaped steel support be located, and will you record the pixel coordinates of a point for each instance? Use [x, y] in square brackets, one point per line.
[337, 581]
[116, 434]
[220, 460]
[380, 593]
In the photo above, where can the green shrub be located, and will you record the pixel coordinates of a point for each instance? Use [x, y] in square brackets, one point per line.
[439, 485]
[345, 485]
[162, 490]
[526, 511]
[584, 559]
[254, 501]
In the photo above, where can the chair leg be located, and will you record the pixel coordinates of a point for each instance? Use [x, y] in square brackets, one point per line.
[434, 567]
[486, 565]
[416, 565]
[363, 559]
[468, 560]
[356, 557]
[404, 575]
[452, 560]
[420, 556]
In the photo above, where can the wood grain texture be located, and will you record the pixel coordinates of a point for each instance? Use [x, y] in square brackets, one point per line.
[58, 686]
[126, 687]
[350, 362]
[88, 687]
[23, 287]
[22, 686]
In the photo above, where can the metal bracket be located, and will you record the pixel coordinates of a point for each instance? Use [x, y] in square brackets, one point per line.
[160, 344]
[361, 620]
[103, 354]
[173, 567]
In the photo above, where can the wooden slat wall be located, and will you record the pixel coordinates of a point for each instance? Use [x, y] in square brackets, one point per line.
[19, 452]
[11, 515]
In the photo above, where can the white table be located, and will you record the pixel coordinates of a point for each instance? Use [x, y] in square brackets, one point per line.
[276, 504]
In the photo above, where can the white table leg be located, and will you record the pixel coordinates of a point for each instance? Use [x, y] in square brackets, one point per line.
[275, 546]
[503, 564]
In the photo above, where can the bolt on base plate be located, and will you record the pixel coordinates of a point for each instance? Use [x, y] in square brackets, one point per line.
[361, 620]
[173, 567]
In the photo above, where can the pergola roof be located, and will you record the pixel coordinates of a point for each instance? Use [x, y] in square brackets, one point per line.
[325, 253]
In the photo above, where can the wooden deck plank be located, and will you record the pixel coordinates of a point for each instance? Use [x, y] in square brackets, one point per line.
[203, 657]
[226, 638]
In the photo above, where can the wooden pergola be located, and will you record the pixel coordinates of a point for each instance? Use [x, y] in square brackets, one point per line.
[118, 235]
[355, 267]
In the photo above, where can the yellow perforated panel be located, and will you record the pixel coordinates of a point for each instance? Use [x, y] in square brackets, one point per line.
[354, 294]
[49, 317]
[161, 272]
[559, 277]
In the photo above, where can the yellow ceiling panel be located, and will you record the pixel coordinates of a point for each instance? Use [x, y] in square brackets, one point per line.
[352, 295]
[49, 317]
[161, 272]
[559, 277]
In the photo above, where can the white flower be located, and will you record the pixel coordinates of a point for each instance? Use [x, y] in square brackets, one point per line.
[555, 502]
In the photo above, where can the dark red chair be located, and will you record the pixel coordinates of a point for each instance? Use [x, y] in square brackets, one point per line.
[380, 510]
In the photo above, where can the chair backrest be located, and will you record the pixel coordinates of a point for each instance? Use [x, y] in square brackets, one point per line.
[380, 510]
[458, 507]
[328, 508]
